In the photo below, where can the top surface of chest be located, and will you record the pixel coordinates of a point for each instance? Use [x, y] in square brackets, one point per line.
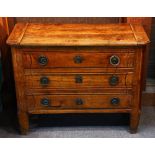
[26, 34]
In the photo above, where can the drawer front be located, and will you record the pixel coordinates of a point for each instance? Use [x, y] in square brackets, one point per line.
[79, 81]
[38, 60]
[36, 102]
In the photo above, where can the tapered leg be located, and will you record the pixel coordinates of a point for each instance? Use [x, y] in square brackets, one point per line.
[134, 122]
[23, 122]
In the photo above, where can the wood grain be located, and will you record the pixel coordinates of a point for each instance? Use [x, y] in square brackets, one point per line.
[71, 20]
[146, 22]
[136, 106]
[89, 58]
[69, 102]
[66, 81]
[21, 100]
[95, 69]
[84, 90]
[67, 111]
[76, 35]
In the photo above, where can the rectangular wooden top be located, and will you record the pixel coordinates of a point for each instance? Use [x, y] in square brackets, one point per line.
[28, 34]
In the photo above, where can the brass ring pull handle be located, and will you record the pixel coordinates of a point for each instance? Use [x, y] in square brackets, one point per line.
[114, 60]
[113, 80]
[45, 101]
[79, 101]
[43, 60]
[115, 101]
[78, 79]
[78, 59]
[44, 81]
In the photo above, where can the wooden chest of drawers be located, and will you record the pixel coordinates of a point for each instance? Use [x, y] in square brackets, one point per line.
[77, 68]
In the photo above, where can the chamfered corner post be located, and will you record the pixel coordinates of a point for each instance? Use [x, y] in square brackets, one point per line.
[137, 88]
[23, 116]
